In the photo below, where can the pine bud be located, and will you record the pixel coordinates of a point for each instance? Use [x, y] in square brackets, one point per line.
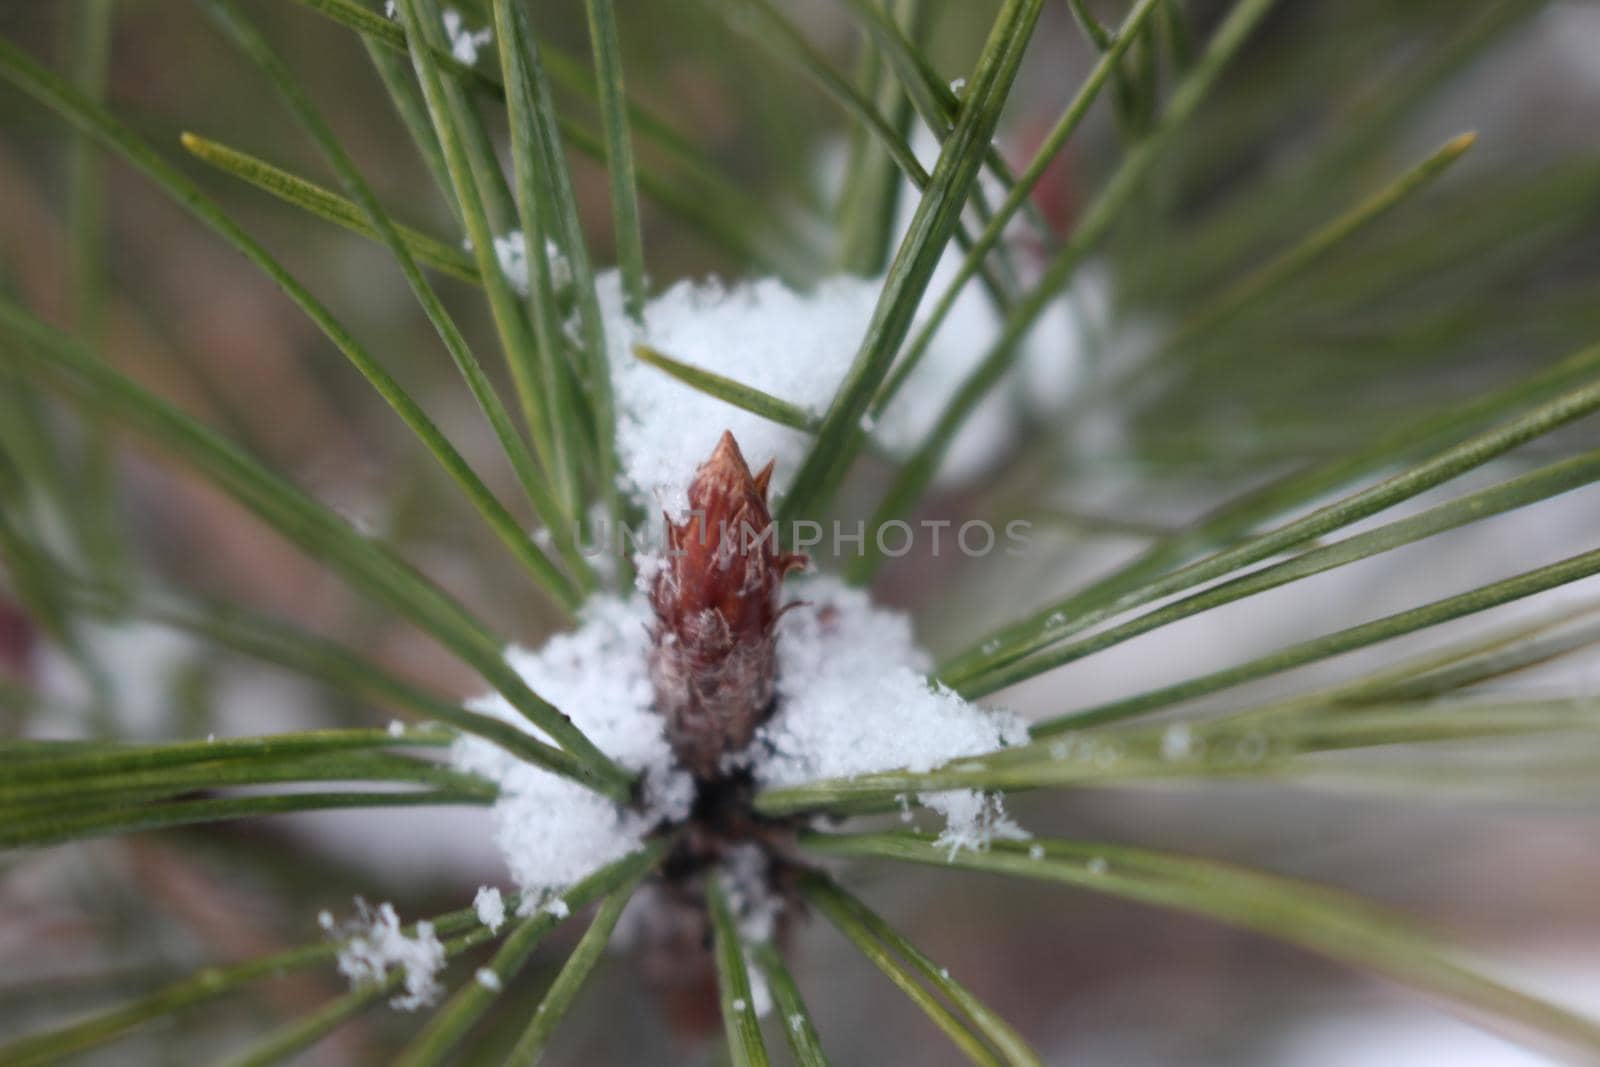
[714, 661]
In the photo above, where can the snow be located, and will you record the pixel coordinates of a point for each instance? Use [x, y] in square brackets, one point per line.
[795, 346]
[464, 43]
[551, 830]
[512, 253]
[760, 991]
[853, 696]
[972, 820]
[488, 979]
[799, 347]
[511, 250]
[374, 943]
[490, 907]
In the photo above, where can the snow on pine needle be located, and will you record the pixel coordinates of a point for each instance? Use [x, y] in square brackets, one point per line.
[373, 943]
[799, 347]
[551, 830]
[848, 692]
[491, 907]
[465, 42]
[511, 252]
[852, 698]
[834, 686]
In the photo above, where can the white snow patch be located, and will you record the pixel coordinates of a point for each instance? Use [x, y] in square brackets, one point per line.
[760, 992]
[795, 346]
[853, 696]
[464, 43]
[512, 252]
[491, 908]
[551, 830]
[973, 820]
[799, 347]
[374, 943]
[488, 979]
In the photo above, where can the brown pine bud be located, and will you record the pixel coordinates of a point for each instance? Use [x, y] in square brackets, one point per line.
[714, 662]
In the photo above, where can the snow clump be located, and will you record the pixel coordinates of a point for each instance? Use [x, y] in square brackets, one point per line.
[374, 942]
[464, 43]
[853, 698]
[799, 347]
[490, 907]
[551, 830]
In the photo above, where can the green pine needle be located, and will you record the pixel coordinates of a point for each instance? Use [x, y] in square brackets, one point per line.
[745, 1044]
[745, 397]
[1322, 920]
[326, 204]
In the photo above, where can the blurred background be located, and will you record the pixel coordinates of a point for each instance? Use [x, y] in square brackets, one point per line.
[1483, 278]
